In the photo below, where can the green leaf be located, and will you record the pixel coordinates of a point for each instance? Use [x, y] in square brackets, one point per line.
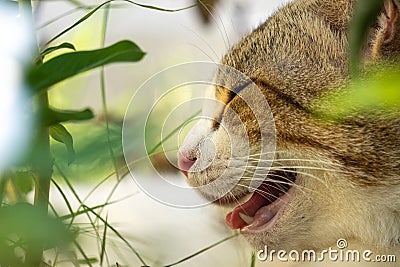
[103, 242]
[378, 94]
[92, 157]
[70, 64]
[23, 182]
[59, 133]
[58, 47]
[365, 15]
[53, 116]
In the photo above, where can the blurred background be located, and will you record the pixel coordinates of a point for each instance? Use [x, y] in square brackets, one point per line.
[97, 177]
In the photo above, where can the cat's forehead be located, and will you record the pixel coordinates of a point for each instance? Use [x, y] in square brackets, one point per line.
[295, 51]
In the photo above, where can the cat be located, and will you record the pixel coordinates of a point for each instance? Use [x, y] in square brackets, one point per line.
[327, 181]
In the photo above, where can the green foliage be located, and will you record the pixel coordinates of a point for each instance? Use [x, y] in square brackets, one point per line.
[24, 181]
[16, 235]
[374, 89]
[364, 17]
[379, 93]
[70, 64]
[55, 48]
[52, 116]
[22, 241]
[92, 158]
[59, 133]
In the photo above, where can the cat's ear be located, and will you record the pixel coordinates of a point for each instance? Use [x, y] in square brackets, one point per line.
[337, 13]
[385, 40]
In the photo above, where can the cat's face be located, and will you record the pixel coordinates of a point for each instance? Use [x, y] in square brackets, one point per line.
[325, 180]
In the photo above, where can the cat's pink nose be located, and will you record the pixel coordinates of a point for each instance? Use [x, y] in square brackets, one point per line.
[184, 163]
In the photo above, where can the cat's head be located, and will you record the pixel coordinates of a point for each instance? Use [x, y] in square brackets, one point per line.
[326, 180]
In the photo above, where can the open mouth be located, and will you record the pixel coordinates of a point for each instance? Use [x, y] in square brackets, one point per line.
[263, 208]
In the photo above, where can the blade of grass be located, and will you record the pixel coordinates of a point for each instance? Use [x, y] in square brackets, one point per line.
[152, 151]
[88, 15]
[172, 133]
[81, 204]
[55, 261]
[103, 91]
[104, 106]
[103, 243]
[118, 234]
[120, 256]
[62, 15]
[112, 240]
[88, 260]
[64, 197]
[102, 182]
[112, 193]
[72, 11]
[75, 214]
[253, 260]
[202, 250]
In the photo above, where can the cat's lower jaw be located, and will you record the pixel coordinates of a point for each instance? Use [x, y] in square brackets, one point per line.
[266, 216]
[259, 213]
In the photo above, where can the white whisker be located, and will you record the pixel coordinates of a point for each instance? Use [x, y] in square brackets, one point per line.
[226, 41]
[205, 42]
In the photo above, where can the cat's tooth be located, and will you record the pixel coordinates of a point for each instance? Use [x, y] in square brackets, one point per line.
[247, 219]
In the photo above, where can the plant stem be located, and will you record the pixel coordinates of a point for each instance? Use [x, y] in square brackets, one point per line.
[43, 171]
[42, 162]
[44, 165]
